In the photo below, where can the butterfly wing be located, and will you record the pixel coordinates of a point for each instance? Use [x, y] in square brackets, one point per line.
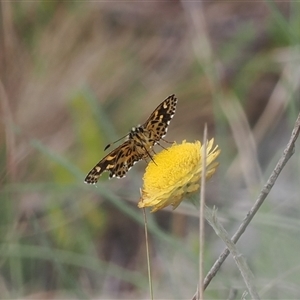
[158, 122]
[117, 162]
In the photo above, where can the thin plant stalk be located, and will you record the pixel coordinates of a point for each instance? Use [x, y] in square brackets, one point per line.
[201, 215]
[148, 255]
[211, 217]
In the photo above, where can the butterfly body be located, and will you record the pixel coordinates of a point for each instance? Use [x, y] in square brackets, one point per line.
[138, 144]
[142, 138]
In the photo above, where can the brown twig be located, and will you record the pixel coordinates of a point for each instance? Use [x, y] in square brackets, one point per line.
[248, 277]
[287, 153]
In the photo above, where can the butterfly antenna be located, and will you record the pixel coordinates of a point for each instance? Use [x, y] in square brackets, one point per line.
[115, 142]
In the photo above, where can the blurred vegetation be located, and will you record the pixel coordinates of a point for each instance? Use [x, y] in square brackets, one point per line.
[76, 76]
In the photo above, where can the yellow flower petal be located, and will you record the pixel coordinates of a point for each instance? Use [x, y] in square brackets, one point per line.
[175, 173]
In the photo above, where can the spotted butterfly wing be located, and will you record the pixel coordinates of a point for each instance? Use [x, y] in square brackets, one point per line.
[117, 162]
[138, 144]
[158, 122]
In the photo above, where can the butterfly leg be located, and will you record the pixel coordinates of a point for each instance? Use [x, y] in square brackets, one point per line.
[167, 141]
[148, 155]
[162, 146]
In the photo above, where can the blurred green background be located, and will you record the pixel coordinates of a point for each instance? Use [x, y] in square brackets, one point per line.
[76, 76]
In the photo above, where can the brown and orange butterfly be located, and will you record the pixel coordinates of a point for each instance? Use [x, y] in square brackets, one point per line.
[138, 143]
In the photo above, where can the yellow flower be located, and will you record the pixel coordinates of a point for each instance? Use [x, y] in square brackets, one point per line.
[175, 173]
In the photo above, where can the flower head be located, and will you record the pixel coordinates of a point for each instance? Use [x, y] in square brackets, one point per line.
[175, 173]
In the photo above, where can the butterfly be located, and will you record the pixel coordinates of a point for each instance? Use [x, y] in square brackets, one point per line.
[138, 144]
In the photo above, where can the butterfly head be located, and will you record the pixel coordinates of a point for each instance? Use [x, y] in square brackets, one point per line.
[135, 130]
